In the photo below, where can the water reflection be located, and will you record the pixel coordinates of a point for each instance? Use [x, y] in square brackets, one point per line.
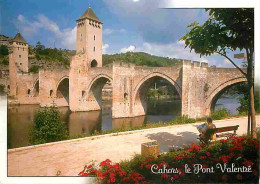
[20, 119]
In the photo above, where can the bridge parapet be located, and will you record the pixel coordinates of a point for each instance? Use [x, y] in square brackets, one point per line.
[123, 64]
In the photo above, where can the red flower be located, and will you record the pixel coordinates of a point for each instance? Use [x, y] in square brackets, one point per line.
[105, 163]
[203, 157]
[148, 166]
[176, 176]
[195, 147]
[112, 177]
[248, 163]
[165, 176]
[207, 153]
[172, 179]
[223, 140]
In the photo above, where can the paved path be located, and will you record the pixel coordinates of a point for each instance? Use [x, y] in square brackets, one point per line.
[69, 157]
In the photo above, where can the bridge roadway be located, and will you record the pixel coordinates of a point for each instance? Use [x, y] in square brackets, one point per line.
[70, 156]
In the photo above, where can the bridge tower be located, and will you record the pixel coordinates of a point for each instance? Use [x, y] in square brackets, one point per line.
[89, 38]
[18, 61]
[19, 49]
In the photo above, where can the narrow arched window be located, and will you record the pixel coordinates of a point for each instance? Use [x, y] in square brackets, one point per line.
[51, 92]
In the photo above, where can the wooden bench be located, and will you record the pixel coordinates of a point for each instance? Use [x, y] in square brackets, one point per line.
[221, 132]
[227, 130]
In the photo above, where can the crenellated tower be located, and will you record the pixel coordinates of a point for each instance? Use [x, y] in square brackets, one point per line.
[89, 38]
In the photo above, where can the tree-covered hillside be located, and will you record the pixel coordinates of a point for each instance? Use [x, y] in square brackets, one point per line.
[41, 57]
[140, 58]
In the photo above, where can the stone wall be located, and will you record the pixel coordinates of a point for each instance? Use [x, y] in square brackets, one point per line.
[49, 83]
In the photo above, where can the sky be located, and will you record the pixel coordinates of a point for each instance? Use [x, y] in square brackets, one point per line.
[128, 25]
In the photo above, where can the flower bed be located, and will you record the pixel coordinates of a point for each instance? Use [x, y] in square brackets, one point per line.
[230, 161]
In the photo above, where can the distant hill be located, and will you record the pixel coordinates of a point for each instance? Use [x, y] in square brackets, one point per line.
[140, 58]
[41, 57]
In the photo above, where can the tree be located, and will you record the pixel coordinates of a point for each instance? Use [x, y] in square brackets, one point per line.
[4, 50]
[227, 30]
[39, 46]
[47, 127]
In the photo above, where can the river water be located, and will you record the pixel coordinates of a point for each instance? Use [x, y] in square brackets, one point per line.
[20, 119]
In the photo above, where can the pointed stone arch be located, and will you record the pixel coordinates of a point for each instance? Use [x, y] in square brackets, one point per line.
[140, 91]
[214, 93]
[62, 90]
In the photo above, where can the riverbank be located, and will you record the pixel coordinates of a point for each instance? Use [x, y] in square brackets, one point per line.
[69, 157]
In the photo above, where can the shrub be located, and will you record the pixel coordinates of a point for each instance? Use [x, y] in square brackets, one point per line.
[4, 50]
[47, 127]
[5, 62]
[220, 114]
[185, 119]
[241, 151]
[34, 69]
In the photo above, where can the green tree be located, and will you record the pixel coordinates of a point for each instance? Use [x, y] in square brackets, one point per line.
[5, 62]
[227, 30]
[4, 50]
[34, 69]
[47, 127]
[39, 46]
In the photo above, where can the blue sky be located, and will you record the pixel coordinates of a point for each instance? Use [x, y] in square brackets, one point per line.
[129, 25]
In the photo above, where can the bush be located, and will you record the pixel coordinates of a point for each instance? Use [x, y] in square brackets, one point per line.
[34, 69]
[47, 127]
[185, 119]
[241, 151]
[220, 114]
[5, 62]
[4, 50]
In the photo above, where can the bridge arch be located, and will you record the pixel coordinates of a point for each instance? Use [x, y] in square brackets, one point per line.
[94, 89]
[216, 92]
[140, 91]
[157, 74]
[36, 88]
[62, 90]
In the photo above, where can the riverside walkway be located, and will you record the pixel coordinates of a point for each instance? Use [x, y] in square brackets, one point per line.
[69, 157]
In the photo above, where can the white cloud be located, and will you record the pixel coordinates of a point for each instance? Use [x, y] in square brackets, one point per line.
[104, 48]
[66, 37]
[135, 0]
[69, 38]
[107, 31]
[131, 48]
[177, 50]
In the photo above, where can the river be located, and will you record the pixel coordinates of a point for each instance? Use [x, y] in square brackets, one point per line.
[20, 119]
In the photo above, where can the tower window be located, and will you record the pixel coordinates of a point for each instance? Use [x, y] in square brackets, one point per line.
[23, 49]
[28, 91]
[21, 63]
[20, 56]
[80, 37]
[18, 48]
[83, 93]
[94, 63]
[94, 49]
[51, 92]
[94, 37]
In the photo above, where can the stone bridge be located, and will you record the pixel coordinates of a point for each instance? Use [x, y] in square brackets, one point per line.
[80, 88]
